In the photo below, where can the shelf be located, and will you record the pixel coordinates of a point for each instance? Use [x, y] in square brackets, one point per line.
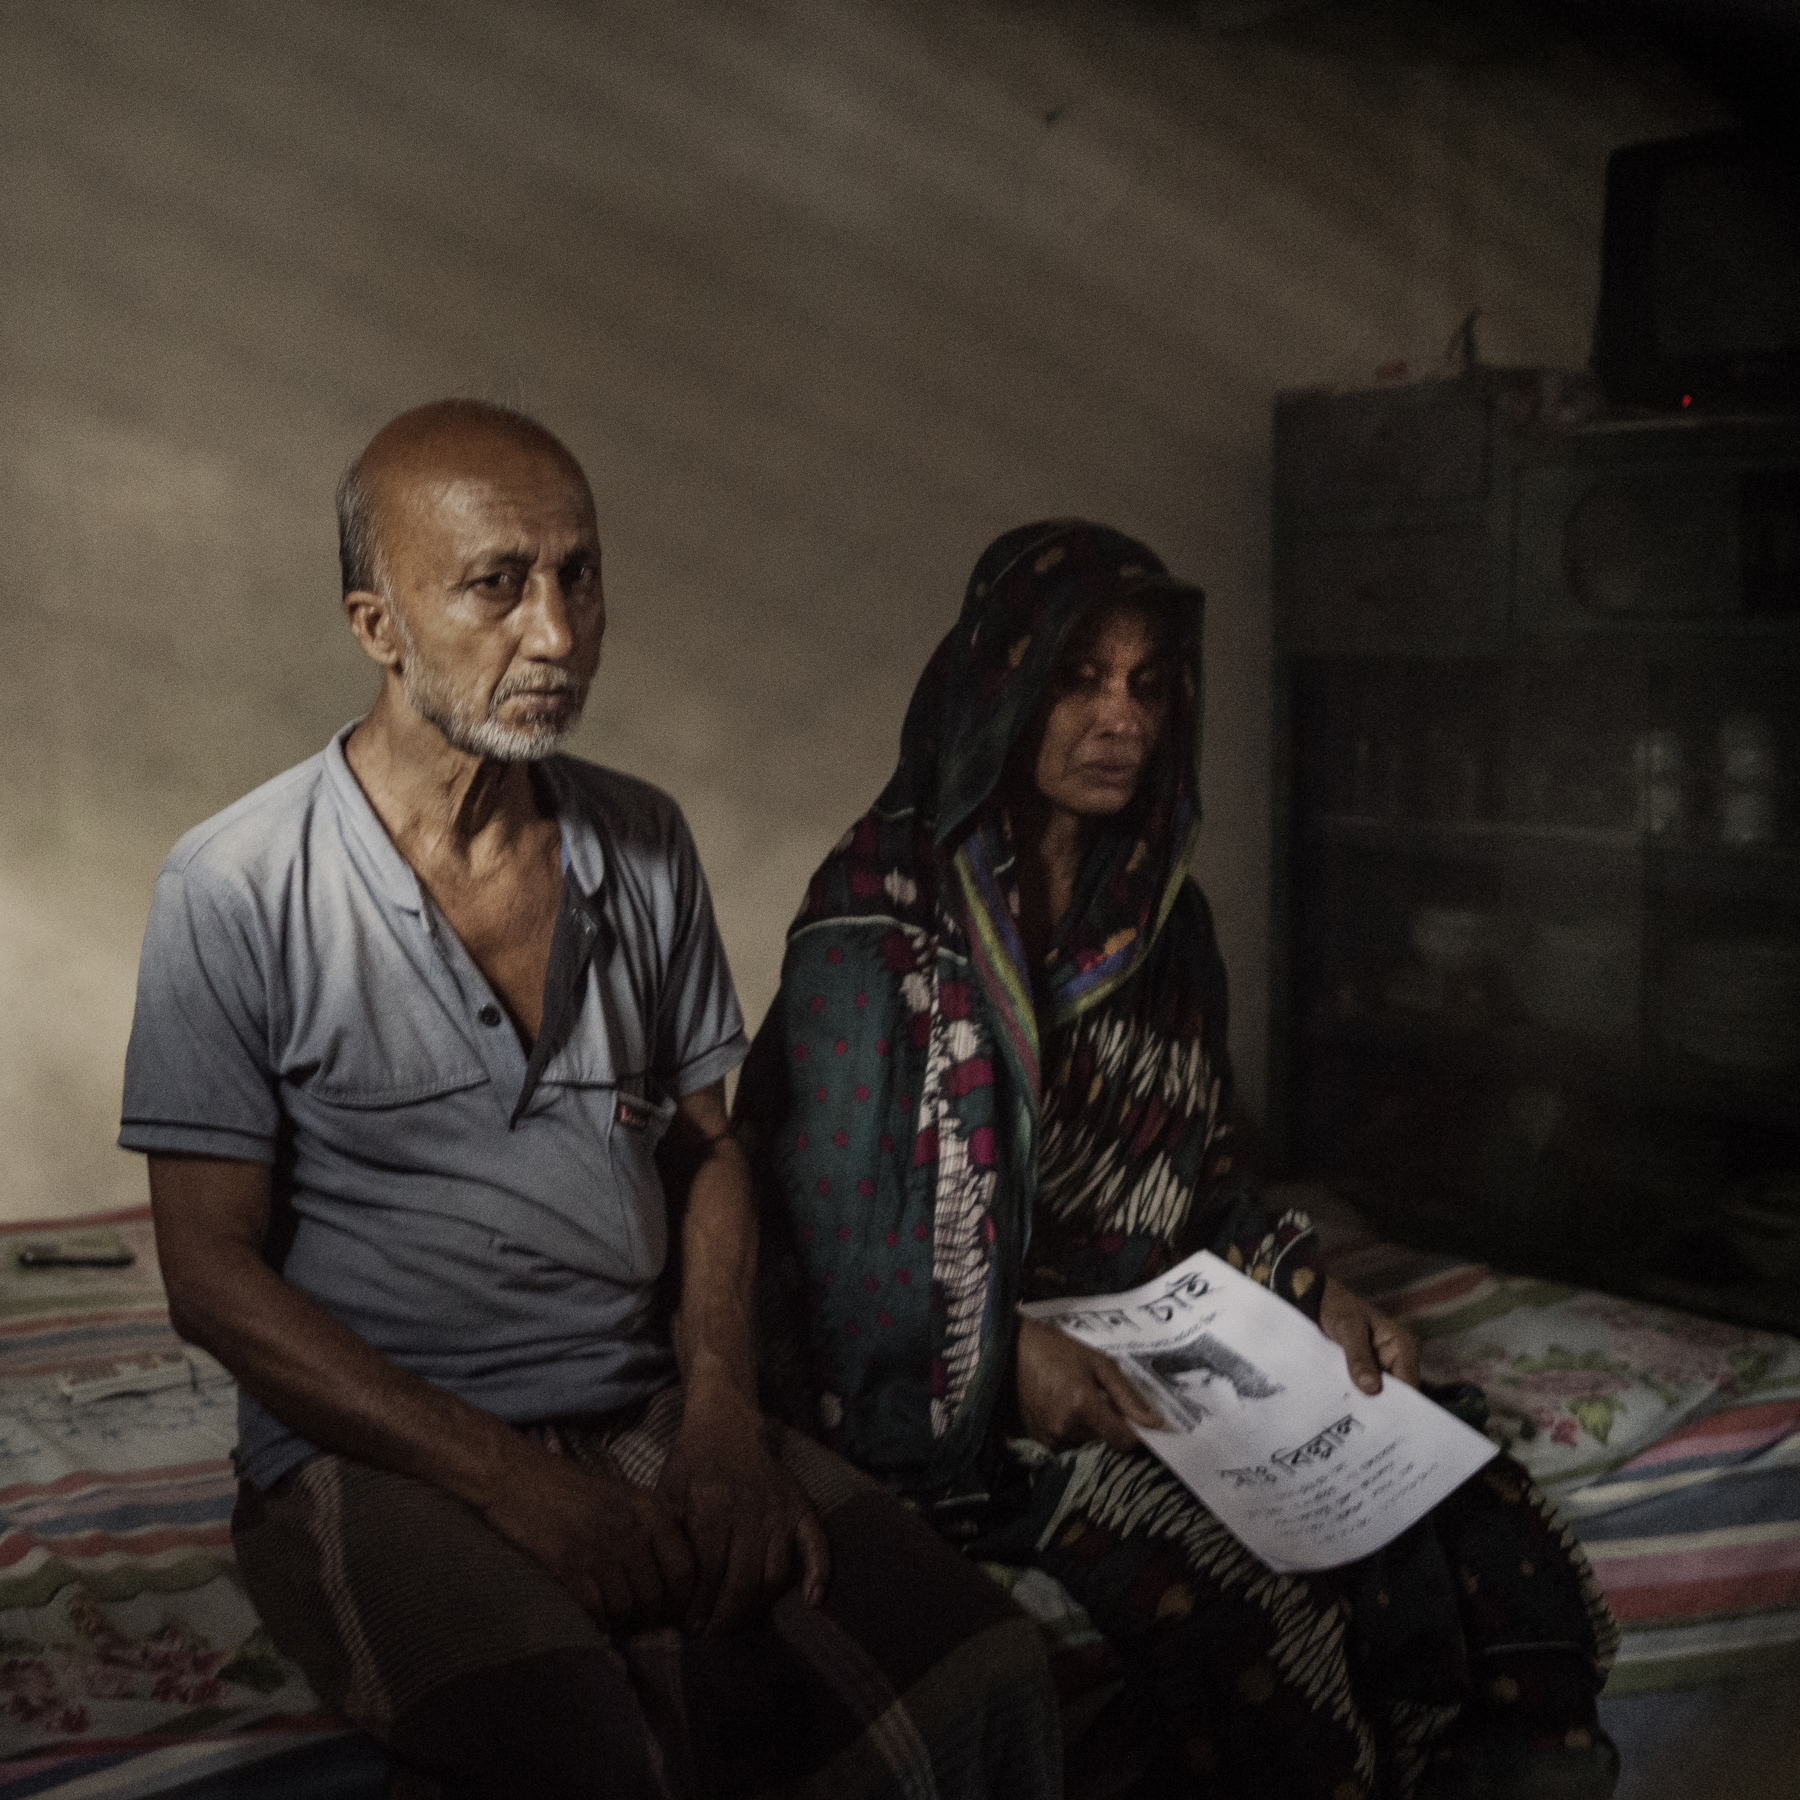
[1521, 1052]
[1764, 1302]
[1771, 871]
[1471, 632]
[1739, 1297]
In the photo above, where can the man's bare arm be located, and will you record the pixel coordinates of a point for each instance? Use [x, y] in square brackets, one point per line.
[746, 1517]
[615, 1548]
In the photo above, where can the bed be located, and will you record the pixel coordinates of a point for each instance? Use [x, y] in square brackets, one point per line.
[130, 1661]
[132, 1665]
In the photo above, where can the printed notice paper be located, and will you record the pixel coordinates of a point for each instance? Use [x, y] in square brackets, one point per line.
[1264, 1422]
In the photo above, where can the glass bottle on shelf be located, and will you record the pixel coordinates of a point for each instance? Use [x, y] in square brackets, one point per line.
[1747, 781]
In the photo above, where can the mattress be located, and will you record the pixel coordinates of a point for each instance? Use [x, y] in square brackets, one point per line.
[131, 1663]
[1670, 1443]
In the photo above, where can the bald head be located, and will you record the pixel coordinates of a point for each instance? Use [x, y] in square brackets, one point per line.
[471, 567]
[443, 442]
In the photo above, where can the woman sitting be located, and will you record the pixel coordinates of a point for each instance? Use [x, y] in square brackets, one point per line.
[995, 1072]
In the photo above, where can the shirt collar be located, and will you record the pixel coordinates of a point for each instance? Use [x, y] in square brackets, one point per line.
[391, 874]
[583, 855]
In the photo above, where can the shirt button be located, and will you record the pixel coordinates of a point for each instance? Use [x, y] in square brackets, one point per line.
[489, 1014]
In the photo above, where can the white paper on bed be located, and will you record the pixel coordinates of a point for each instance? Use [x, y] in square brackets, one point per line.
[1264, 1422]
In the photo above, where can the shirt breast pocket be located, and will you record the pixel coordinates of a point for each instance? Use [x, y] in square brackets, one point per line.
[639, 1124]
[382, 1063]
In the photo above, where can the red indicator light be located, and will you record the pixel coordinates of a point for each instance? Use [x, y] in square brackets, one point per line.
[1687, 399]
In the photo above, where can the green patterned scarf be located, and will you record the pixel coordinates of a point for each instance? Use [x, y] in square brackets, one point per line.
[934, 1145]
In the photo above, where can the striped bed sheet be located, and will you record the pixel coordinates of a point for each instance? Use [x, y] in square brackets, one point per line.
[1670, 1443]
[131, 1663]
[1697, 1543]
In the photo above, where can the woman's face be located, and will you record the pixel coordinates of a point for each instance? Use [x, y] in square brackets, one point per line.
[1108, 708]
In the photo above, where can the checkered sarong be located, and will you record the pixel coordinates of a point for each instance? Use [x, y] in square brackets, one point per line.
[410, 1615]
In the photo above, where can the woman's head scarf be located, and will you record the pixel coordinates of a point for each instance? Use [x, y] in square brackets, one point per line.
[896, 1096]
[938, 824]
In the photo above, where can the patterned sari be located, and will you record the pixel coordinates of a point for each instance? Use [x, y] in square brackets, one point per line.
[942, 1131]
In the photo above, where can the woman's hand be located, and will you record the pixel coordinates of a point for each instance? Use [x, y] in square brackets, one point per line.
[1070, 1394]
[1370, 1340]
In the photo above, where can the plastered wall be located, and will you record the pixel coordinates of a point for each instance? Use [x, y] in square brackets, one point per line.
[825, 296]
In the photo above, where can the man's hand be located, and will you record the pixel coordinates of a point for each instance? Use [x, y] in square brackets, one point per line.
[743, 1513]
[1370, 1340]
[618, 1549]
[1070, 1393]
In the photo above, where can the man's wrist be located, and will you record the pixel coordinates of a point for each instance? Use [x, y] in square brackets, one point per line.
[497, 1459]
[713, 1380]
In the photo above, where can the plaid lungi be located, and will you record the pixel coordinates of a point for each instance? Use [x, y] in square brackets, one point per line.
[915, 1678]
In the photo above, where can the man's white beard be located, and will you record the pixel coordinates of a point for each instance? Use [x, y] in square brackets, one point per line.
[431, 694]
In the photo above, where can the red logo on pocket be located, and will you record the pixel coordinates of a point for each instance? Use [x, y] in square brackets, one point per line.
[634, 1117]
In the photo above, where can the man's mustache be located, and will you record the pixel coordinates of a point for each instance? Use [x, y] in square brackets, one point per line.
[544, 681]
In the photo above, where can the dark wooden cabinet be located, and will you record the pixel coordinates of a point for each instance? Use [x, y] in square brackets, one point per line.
[1537, 870]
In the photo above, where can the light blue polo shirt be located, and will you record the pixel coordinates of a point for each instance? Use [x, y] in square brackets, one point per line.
[302, 1003]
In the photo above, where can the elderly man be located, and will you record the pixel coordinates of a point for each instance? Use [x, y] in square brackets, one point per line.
[429, 1064]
